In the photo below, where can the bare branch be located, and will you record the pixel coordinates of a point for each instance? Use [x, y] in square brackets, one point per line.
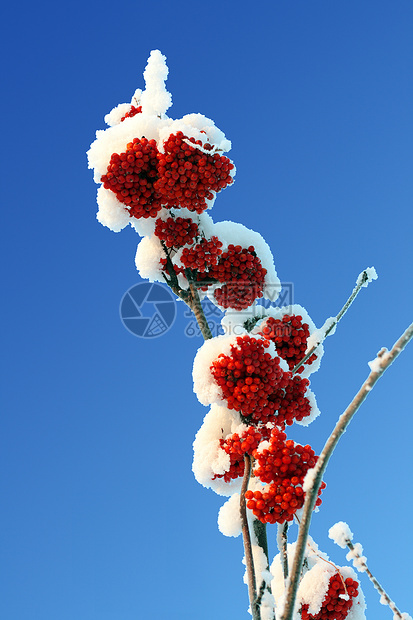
[249, 560]
[379, 588]
[195, 304]
[378, 366]
[362, 280]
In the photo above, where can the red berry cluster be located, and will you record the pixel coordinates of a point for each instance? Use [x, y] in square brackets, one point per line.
[283, 466]
[132, 112]
[131, 176]
[248, 377]
[187, 176]
[291, 403]
[333, 607]
[176, 232]
[237, 446]
[202, 256]
[290, 336]
[243, 274]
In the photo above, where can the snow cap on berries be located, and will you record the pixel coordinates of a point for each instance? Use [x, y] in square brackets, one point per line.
[291, 328]
[209, 458]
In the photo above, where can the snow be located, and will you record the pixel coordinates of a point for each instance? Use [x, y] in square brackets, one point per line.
[309, 479]
[340, 533]
[319, 335]
[317, 571]
[233, 233]
[205, 387]
[371, 274]
[229, 517]
[111, 213]
[376, 365]
[199, 127]
[356, 556]
[153, 124]
[147, 259]
[155, 99]
[209, 458]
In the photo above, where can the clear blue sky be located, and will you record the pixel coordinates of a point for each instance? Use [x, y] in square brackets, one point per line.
[101, 517]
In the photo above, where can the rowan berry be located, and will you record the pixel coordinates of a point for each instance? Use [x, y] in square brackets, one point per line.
[249, 360]
[203, 255]
[282, 465]
[290, 335]
[236, 446]
[131, 176]
[334, 606]
[176, 232]
[187, 176]
[132, 112]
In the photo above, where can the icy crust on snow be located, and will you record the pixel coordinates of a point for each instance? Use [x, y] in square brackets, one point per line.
[209, 458]
[340, 533]
[314, 584]
[205, 386]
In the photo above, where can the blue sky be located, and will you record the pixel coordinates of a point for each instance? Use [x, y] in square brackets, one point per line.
[102, 518]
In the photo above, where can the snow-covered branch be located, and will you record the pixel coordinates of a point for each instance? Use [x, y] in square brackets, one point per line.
[314, 476]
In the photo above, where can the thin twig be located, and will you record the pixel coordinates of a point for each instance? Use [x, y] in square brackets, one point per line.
[249, 560]
[379, 588]
[361, 281]
[380, 364]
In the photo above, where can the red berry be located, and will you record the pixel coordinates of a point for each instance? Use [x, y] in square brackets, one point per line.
[176, 232]
[187, 176]
[132, 112]
[131, 176]
[333, 606]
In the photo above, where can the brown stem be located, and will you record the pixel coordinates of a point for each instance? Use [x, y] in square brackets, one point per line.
[362, 279]
[249, 560]
[195, 304]
[381, 364]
